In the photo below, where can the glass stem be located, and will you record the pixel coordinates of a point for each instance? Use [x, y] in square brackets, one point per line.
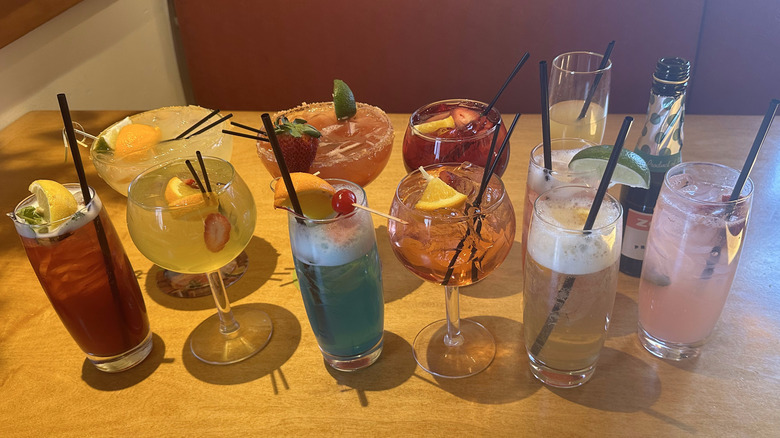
[453, 338]
[227, 323]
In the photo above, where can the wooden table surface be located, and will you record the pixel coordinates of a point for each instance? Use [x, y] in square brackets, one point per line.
[48, 388]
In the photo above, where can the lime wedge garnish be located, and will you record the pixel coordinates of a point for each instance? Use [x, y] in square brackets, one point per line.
[343, 100]
[631, 169]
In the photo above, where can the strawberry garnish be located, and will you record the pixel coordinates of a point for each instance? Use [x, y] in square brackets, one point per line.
[298, 141]
[216, 232]
[463, 116]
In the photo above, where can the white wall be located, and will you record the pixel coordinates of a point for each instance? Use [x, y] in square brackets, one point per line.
[104, 54]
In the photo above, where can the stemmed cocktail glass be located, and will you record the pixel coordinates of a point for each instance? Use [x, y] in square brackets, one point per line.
[452, 247]
[194, 232]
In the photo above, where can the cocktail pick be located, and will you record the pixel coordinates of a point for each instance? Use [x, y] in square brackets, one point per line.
[517, 68]
[568, 283]
[597, 79]
[544, 92]
[99, 230]
[712, 260]
[198, 123]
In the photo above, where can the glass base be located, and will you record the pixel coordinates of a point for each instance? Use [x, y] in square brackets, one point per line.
[354, 363]
[126, 360]
[197, 285]
[668, 350]
[473, 354]
[560, 378]
[210, 345]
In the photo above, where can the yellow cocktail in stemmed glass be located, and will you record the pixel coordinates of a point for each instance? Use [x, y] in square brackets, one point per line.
[180, 227]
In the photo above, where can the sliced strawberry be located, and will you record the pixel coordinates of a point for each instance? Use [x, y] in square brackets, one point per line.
[463, 116]
[192, 183]
[216, 232]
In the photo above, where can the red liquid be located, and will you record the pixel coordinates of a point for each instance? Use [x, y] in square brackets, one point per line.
[465, 142]
[72, 271]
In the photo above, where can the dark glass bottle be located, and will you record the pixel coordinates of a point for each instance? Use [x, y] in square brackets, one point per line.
[660, 144]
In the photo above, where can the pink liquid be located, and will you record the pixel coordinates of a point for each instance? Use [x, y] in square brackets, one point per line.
[678, 301]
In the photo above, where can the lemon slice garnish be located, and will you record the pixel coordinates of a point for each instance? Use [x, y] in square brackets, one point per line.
[435, 125]
[55, 202]
[314, 195]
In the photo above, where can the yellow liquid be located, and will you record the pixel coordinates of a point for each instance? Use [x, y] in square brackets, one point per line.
[175, 238]
[564, 123]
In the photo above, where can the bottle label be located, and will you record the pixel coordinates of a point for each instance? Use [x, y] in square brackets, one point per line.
[635, 234]
[662, 134]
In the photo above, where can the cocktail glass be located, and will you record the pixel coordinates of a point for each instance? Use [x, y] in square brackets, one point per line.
[692, 254]
[453, 247]
[197, 238]
[117, 172]
[540, 180]
[570, 282]
[572, 78]
[355, 149]
[83, 268]
[464, 142]
[340, 278]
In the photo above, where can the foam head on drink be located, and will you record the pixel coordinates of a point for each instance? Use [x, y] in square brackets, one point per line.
[71, 266]
[340, 278]
[558, 249]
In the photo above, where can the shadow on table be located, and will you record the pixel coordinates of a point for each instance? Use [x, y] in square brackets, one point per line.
[508, 378]
[103, 381]
[625, 315]
[394, 367]
[403, 281]
[509, 272]
[262, 260]
[284, 341]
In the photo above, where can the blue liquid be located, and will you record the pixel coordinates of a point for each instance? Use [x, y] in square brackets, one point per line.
[344, 303]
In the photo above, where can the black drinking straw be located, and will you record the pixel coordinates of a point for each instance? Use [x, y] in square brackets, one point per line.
[269, 128]
[195, 176]
[493, 141]
[568, 283]
[203, 169]
[508, 80]
[217, 122]
[544, 91]
[99, 230]
[751, 158]
[743, 176]
[198, 123]
[248, 128]
[597, 79]
[241, 134]
[488, 173]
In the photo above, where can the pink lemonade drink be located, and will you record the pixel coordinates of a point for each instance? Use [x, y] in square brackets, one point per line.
[356, 149]
[692, 255]
[453, 131]
[540, 180]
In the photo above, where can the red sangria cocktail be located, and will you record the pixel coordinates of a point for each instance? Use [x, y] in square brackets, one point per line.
[453, 131]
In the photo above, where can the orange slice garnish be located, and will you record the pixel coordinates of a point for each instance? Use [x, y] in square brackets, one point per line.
[314, 195]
